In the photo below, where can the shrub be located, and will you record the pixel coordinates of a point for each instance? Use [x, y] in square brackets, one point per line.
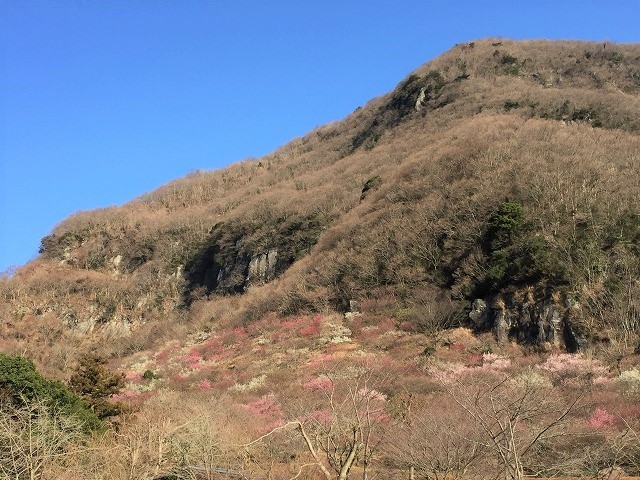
[511, 104]
[508, 59]
[504, 224]
[34, 438]
[601, 418]
[510, 64]
[96, 384]
[515, 254]
[22, 385]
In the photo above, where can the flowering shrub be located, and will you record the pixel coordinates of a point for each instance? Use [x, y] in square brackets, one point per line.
[630, 381]
[133, 377]
[630, 412]
[179, 379]
[383, 362]
[366, 333]
[323, 417]
[371, 394]
[338, 334]
[165, 353]
[268, 409]
[126, 395]
[192, 359]
[223, 384]
[267, 405]
[212, 346]
[322, 383]
[252, 384]
[162, 355]
[204, 385]
[531, 378]
[236, 336]
[496, 362]
[601, 380]
[475, 360]
[204, 366]
[319, 360]
[450, 372]
[313, 328]
[293, 324]
[573, 364]
[369, 331]
[601, 419]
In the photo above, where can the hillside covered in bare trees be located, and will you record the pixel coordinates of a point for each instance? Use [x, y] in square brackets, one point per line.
[444, 284]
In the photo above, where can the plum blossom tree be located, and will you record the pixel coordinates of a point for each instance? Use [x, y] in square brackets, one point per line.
[344, 426]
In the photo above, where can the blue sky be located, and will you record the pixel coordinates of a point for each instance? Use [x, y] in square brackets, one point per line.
[102, 101]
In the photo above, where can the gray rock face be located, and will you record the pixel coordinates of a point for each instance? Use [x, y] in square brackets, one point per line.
[231, 274]
[262, 268]
[421, 98]
[237, 255]
[544, 322]
[501, 325]
[480, 314]
[354, 306]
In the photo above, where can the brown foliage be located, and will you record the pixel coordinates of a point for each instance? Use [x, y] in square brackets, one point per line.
[398, 195]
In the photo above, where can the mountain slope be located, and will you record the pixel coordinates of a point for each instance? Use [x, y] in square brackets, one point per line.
[499, 179]
[392, 295]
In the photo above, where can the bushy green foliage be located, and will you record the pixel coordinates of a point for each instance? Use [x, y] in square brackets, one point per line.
[505, 224]
[508, 59]
[21, 383]
[513, 254]
[529, 259]
[510, 64]
[54, 246]
[95, 383]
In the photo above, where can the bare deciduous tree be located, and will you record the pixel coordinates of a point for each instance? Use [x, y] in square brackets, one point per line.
[514, 414]
[434, 441]
[33, 438]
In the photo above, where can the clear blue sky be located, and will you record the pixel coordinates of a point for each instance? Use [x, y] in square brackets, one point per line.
[101, 101]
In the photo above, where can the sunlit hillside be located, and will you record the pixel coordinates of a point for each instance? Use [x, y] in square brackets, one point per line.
[444, 284]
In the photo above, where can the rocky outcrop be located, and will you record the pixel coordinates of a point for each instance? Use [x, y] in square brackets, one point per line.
[239, 255]
[224, 272]
[262, 267]
[229, 274]
[545, 322]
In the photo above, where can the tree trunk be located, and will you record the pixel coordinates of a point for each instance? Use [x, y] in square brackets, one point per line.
[344, 472]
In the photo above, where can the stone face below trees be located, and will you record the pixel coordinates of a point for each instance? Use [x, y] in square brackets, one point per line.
[544, 322]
